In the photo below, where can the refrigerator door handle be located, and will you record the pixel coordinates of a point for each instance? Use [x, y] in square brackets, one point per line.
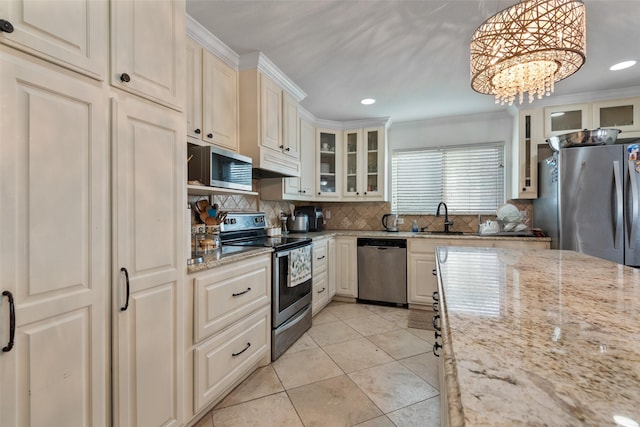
[617, 232]
[634, 205]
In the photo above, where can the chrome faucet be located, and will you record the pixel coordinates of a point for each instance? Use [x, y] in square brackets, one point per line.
[447, 223]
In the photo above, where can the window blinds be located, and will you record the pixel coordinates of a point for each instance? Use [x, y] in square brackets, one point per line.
[469, 179]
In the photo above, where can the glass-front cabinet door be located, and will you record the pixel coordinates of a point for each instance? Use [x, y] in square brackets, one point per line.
[623, 114]
[566, 118]
[364, 164]
[352, 163]
[328, 163]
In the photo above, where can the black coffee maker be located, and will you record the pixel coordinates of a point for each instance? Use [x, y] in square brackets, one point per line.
[315, 215]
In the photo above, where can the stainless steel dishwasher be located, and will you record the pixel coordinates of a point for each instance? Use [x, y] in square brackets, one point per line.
[382, 270]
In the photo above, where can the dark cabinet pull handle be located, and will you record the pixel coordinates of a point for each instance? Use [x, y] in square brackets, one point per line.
[434, 322]
[433, 272]
[321, 290]
[436, 346]
[125, 78]
[319, 258]
[281, 147]
[241, 293]
[197, 131]
[6, 27]
[209, 135]
[126, 278]
[242, 351]
[437, 334]
[435, 306]
[12, 320]
[435, 296]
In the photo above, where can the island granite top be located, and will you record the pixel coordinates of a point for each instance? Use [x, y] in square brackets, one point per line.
[540, 337]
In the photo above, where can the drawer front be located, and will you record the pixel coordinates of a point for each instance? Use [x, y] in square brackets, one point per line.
[319, 257]
[230, 293]
[320, 296]
[223, 359]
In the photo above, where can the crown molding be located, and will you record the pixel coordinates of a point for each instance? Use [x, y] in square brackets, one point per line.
[259, 61]
[477, 117]
[577, 98]
[196, 31]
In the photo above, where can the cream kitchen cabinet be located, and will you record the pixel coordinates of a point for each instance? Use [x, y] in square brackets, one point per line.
[54, 263]
[421, 260]
[261, 133]
[73, 34]
[364, 164]
[212, 99]
[331, 267]
[623, 114]
[295, 188]
[148, 258]
[290, 127]
[148, 49]
[328, 164]
[320, 297]
[231, 328]
[346, 268]
[563, 119]
[525, 154]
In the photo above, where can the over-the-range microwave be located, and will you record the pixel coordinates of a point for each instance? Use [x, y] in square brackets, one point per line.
[216, 167]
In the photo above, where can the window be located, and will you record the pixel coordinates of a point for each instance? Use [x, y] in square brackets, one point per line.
[469, 179]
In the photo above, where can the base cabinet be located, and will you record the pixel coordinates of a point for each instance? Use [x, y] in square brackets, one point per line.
[320, 290]
[346, 267]
[231, 329]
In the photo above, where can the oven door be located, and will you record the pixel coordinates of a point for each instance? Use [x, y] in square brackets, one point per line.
[291, 289]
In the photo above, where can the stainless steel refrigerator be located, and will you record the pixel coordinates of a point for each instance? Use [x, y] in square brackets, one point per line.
[588, 201]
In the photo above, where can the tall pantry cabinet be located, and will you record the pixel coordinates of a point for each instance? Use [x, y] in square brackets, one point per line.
[92, 166]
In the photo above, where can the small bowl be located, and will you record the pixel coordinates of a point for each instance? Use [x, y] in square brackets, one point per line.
[583, 138]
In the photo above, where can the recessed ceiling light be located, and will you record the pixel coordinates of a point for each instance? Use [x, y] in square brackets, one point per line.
[367, 101]
[622, 65]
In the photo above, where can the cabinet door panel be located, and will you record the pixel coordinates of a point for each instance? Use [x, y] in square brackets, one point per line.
[70, 33]
[148, 170]
[271, 114]
[54, 225]
[194, 89]
[220, 89]
[148, 45]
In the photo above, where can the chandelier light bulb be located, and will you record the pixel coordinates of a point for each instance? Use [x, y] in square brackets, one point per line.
[528, 47]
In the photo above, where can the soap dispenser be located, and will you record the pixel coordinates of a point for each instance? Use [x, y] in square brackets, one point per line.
[414, 226]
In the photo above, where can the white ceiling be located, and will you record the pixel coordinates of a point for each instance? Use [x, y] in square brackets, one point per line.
[412, 56]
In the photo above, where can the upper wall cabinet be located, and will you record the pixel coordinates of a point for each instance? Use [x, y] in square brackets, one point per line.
[364, 164]
[72, 34]
[623, 114]
[261, 131]
[212, 99]
[328, 164]
[147, 49]
[566, 118]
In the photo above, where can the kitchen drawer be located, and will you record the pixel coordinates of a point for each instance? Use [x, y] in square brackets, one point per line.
[319, 256]
[227, 357]
[226, 294]
[320, 296]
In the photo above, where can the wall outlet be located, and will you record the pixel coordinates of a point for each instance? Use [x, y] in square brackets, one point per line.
[400, 221]
[327, 214]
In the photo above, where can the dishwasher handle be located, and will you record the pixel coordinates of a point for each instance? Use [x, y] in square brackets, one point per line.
[383, 243]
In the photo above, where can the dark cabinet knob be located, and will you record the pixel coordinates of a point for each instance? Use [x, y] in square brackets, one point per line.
[197, 131]
[125, 78]
[304, 191]
[5, 26]
[435, 322]
[287, 149]
[436, 334]
[209, 135]
[357, 193]
[281, 147]
[365, 193]
[319, 193]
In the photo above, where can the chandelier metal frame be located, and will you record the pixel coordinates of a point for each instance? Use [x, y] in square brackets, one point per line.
[527, 48]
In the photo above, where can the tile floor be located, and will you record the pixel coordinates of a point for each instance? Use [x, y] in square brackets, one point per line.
[358, 365]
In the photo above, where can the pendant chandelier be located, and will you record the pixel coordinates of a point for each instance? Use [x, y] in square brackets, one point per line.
[527, 48]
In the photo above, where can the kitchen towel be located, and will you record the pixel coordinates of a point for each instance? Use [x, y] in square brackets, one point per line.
[299, 266]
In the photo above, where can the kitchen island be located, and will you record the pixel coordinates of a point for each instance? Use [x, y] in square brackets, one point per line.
[538, 338]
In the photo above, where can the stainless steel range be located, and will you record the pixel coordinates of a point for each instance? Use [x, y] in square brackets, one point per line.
[291, 281]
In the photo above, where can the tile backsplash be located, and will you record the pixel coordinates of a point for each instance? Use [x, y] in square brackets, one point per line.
[364, 216]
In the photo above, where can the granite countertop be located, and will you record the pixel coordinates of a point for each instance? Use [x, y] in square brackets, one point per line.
[218, 258]
[539, 338]
[409, 234]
